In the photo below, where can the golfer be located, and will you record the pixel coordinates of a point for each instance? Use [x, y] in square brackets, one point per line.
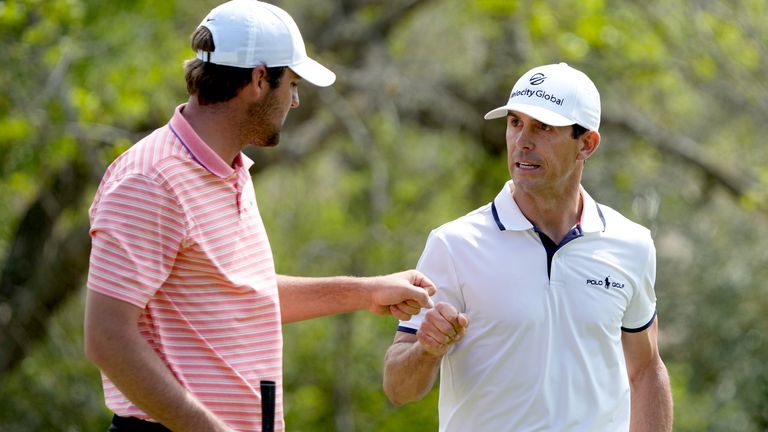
[545, 316]
[184, 309]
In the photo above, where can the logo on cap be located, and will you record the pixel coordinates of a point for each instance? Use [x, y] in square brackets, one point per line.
[537, 79]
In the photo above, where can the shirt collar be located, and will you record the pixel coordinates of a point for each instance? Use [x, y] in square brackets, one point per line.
[200, 151]
[508, 215]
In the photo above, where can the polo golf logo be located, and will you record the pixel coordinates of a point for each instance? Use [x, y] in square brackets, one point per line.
[606, 283]
[537, 79]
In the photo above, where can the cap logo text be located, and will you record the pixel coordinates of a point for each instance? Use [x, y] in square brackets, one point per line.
[537, 93]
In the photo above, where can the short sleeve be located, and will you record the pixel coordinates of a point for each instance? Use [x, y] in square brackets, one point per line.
[641, 311]
[137, 228]
[437, 264]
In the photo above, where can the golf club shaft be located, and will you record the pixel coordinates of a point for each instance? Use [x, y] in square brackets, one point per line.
[267, 406]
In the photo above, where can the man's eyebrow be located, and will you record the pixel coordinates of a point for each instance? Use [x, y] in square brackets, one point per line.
[533, 120]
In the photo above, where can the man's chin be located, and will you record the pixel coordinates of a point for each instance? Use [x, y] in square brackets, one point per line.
[271, 141]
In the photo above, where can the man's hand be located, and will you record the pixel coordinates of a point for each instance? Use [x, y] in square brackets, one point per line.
[400, 294]
[443, 326]
[412, 363]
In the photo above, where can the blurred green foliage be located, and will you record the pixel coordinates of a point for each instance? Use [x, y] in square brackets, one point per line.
[395, 148]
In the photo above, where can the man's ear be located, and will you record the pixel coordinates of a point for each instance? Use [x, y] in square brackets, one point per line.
[259, 80]
[589, 142]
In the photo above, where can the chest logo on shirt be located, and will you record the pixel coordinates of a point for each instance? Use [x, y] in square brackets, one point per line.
[606, 283]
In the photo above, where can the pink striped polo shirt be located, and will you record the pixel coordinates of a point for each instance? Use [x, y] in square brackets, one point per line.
[176, 231]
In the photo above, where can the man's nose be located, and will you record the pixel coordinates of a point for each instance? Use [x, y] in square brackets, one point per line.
[521, 138]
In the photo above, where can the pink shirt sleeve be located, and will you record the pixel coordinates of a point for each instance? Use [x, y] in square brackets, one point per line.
[137, 228]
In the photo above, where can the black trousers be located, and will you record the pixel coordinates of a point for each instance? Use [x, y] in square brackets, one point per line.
[133, 424]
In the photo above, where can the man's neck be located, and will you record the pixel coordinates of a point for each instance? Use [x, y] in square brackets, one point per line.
[215, 124]
[554, 215]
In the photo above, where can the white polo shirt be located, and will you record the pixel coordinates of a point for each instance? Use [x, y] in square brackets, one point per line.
[543, 349]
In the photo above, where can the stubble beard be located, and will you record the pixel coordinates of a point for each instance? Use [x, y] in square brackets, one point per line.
[262, 131]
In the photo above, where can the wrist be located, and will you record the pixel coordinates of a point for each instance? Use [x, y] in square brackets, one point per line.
[364, 290]
[427, 355]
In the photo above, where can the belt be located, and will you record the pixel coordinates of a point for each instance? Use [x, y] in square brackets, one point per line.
[133, 424]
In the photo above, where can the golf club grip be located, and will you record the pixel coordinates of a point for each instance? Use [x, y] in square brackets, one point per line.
[267, 406]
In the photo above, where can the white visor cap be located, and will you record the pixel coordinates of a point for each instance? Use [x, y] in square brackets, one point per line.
[555, 94]
[248, 33]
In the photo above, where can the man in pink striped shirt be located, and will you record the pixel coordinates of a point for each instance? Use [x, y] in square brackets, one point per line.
[184, 309]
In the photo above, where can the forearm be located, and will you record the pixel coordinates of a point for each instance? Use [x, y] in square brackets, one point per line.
[409, 372]
[651, 400]
[144, 379]
[114, 344]
[303, 298]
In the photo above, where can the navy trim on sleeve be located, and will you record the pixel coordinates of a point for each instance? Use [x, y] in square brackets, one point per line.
[406, 329]
[639, 329]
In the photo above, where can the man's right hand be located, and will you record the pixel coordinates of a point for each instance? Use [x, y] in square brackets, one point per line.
[442, 327]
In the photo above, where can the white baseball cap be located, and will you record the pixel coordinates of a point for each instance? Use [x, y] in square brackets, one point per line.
[555, 94]
[248, 33]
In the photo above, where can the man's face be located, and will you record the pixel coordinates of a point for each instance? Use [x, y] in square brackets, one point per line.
[543, 160]
[270, 111]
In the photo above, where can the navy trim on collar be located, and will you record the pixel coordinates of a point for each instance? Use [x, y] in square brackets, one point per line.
[496, 216]
[600, 213]
[181, 140]
[551, 247]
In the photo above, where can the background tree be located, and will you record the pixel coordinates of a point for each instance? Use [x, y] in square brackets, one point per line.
[395, 148]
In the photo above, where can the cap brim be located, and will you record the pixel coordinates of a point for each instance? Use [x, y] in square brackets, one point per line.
[541, 114]
[496, 113]
[314, 73]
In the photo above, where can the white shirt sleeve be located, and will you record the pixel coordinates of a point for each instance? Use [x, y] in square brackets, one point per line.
[642, 307]
[437, 264]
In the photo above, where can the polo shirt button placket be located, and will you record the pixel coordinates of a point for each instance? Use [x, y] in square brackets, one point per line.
[235, 183]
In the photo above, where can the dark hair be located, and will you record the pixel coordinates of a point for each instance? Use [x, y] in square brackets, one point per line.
[213, 83]
[577, 130]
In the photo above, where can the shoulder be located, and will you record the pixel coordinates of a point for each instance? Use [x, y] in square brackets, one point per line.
[150, 169]
[150, 158]
[473, 224]
[620, 226]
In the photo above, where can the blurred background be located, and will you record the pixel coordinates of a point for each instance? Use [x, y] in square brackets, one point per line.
[395, 148]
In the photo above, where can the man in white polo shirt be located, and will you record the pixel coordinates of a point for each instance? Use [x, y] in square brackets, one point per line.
[545, 316]
[184, 309]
